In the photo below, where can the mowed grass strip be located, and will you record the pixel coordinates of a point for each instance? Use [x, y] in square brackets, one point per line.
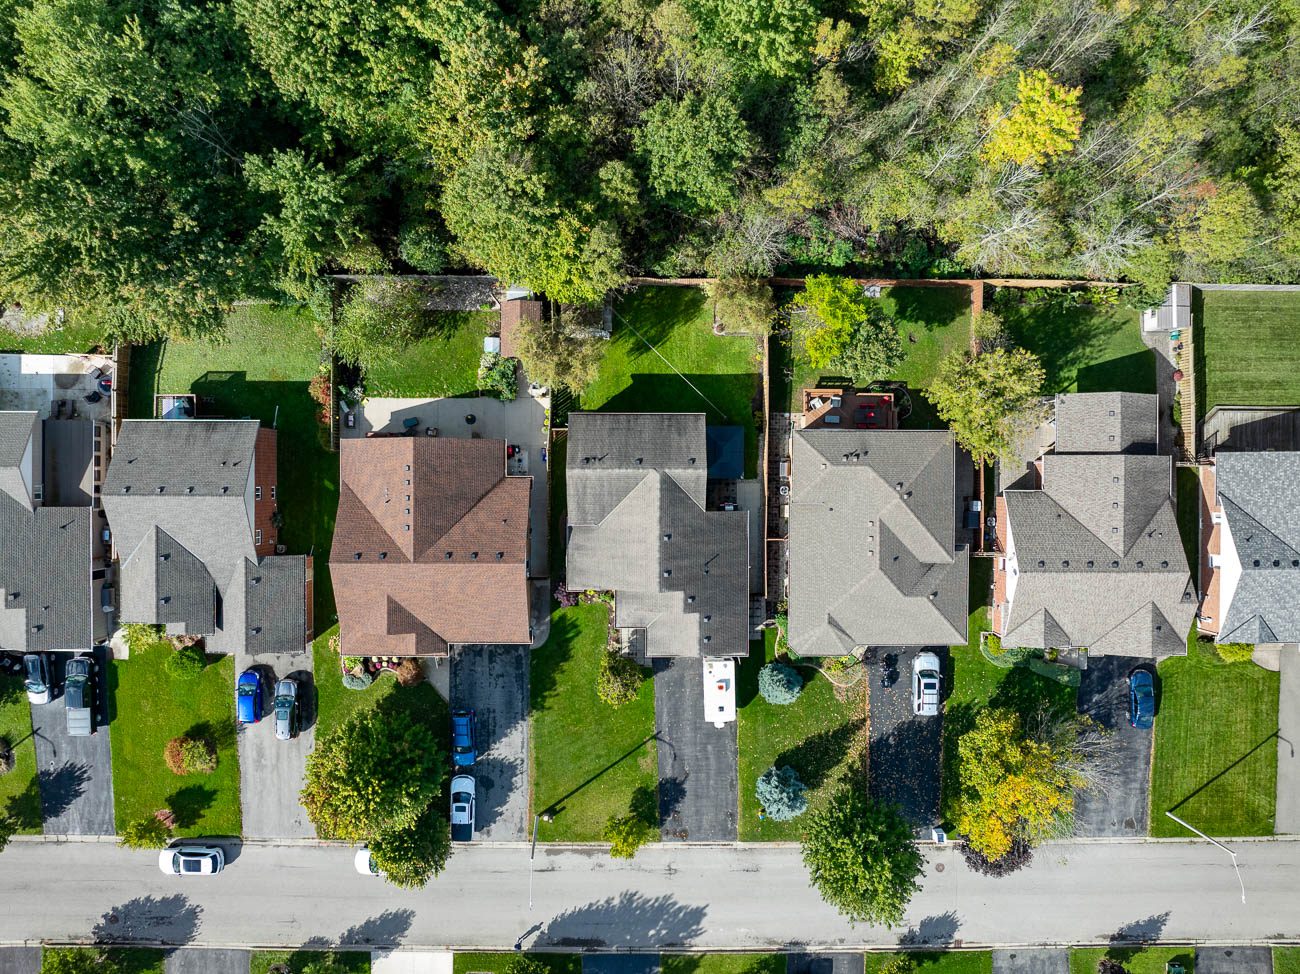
[1215, 761]
[259, 366]
[20, 797]
[722, 963]
[1137, 960]
[821, 735]
[488, 963]
[340, 961]
[442, 364]
[938, 962]
[588, 758]
[1247, 352]
[148, 707]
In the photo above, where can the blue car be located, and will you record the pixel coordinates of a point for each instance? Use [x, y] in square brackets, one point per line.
[463, 754]
[1141, 699]
[248, 697]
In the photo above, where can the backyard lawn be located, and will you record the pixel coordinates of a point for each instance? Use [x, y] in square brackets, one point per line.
[1246, 348]
[1215, 761]
[148, 707]
[259, 367]
[588, 758]
[939, 962]
[20, 798]
[664, 357]
[722, 963]
[485, 963]
[1136, 959]
[821, 735]
[442, 364]
[71, 339]
[1083, 348]
[336, 961]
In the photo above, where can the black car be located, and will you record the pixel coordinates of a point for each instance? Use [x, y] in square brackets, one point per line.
[79, 696]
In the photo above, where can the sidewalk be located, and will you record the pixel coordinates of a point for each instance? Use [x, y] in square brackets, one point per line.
[1286, 820]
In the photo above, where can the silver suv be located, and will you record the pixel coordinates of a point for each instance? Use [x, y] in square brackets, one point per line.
[926, 683]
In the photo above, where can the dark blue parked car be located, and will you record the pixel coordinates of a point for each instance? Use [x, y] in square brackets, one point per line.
[1141, 699]
[463, 754]
[248, 697]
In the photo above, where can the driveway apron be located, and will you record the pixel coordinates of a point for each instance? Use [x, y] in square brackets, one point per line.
[698, 788]
[206, 960]
[1122, 809]
[1030, 961]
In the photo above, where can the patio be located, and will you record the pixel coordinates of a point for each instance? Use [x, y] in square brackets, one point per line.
[37, 382]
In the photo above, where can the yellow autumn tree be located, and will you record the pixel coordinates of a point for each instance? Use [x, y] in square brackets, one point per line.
[1044, 122]
[1012, 787]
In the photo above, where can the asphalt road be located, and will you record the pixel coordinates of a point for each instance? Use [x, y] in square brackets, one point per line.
[668, 896]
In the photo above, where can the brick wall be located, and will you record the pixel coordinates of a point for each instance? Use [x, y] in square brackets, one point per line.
[265, 479]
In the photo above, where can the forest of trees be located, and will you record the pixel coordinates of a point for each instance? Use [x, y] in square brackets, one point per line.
[162, 158]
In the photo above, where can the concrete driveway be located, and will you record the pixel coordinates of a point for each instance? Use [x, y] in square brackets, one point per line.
[271, 771]
[20, 960]
[1234, 960]
[698, 789]
[1122, 809]
[493, 682]
[75, 774]
[1028, 961]
[905, 752]
[206, 960]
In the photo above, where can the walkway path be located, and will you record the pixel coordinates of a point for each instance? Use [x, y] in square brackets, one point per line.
[1287, 819]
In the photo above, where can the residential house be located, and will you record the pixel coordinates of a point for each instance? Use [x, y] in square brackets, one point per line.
[193, 509]
[1090, 553]
[639, 524]
[1253, 548]
[430, 546]
[875, 554]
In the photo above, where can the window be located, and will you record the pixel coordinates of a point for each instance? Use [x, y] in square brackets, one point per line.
[1216, 561]
[1216, 517]
[273, 492]
[257, 493]
[257, 536]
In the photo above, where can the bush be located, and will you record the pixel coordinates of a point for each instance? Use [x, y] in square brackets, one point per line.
[409, 672]
[564, 598]
[781, 793]
[188, 755]
[1109, 965]
[149, 832]
[185, 663]
[779, 684]
[619, 680]
[497, 376]
[421, 246]
[352, 662]
[1019, 856]
[1234, 652]
[628, 833]
[838, 664]
[358, 681]
[898, 964]
[139, 636]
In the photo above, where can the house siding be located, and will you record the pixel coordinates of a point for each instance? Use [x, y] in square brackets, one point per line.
[265, 478]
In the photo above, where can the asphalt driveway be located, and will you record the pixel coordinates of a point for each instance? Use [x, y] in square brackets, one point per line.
[1025, 960]
[698, 790]
[271, 771]
[20, 960]
[1234, 960]
[905, 751]
[74, 774]
[1122, 809]
[493, 682]
[206, 960]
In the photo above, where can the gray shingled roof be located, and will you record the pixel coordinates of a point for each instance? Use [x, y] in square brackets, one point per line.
[1099, 562]
[15, 434]
[1106, 422]
[873, 553]
[638, 525]
[1260, 495]
[264, 610]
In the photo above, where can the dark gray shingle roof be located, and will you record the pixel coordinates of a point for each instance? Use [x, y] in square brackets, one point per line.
[1106, 422]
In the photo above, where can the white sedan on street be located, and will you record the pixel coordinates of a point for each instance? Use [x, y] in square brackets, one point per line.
[191, 860]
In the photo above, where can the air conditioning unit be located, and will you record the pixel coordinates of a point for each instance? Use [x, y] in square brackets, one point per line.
[281, 549]
[784, 490]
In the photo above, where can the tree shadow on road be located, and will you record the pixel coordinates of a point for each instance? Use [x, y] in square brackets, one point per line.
[1132, 938]
[939, 930]
[626, 921]
[385, 930]
[168, 920]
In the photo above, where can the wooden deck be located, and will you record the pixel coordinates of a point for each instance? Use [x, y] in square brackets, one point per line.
[1251, 428]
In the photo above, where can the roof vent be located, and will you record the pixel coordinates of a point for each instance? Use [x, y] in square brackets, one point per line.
[189, 490]
[1164, 564]
[407, 482]
[1139, 564]
[474, 555]
[383, 555]
[223, 463]
[898, 486]
[1090, 563]
[1041, 563]
[690, 600]
[126, 489]
[448, 555]
[164, 600]
[37, 628]
[1276, 563]
[638, 461]
[667, 572]
[708, 618]
[166, 555]
[1255, 562]
[691, 461]
[1065, 563]
[357, 556]
[406, 527]
[668, 536]
[225, 490]
[1114, 564]
[133, 460]
[256, 580]
[406, 467]
[500, 555]
[161, 488]
[256, 630]
[708, 639]
[1114, 480]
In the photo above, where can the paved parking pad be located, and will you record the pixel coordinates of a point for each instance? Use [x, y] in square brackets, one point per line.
[203, 960]
[493, 682]
[1028, 961]
[74, 774]
[1122, 809]
[620, 964]
[845, 963]
[271, 771]
[1234, 960]
[698, 792]
[20, 960]
[905, 749]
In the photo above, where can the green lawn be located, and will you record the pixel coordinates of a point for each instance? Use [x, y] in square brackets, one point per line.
[976, 684]
[660, 332]
[20, 798]
[485, 963]
[444, 363]
[335, 703]
[340, 961]
[124, 960]
[148, 707]
[1084, 348]
[259, 366]
[1286, 960]
[821, 735]
[1138, 960]
[1215, 761]
[71, 339]
[588, 758]
[1246, 348]
[939, 961]
[721, 963]
[1188, 509]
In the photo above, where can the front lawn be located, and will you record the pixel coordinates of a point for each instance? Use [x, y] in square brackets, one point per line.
[485, 963]
[973, 684]
[1084, 348]
[442, 364]
[822, 735]
[148, 707]
[122, 960]
[20, 798]
[588, 758]
[1246, 348]
[259, 366]
[939, 961]
[1215, 761]
[338, 961]
[335, 703]
[722, 963]
[1286, 960]
[1137, 960]
[664, 357]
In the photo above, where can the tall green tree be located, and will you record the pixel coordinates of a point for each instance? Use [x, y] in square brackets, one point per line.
[693, 150]
[990, 399]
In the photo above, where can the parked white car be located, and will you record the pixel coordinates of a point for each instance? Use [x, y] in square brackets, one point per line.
[462, 808]
[365, 862]
[192, 860]
[926, 684]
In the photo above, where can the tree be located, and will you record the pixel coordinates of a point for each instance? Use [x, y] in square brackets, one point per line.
[825, 315]
[149, 832]
[185, 662]
[554, 357]
[374, 775]
[873, 351]
[1234, 652]
[692, 150]
[1218, 234]
[781, 793]
[619, 679]
[861, 857]
[989, 400]
[773, 37]
[76, 960]
[742, 306]
[628, 833]
[526, 964]
[1044, 122]
[8, 829]
[190, 755]
[779, 684]
[379, 318]
[408, 857]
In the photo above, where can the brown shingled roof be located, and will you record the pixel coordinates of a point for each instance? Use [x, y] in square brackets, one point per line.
[512, 313]
[430, 547]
